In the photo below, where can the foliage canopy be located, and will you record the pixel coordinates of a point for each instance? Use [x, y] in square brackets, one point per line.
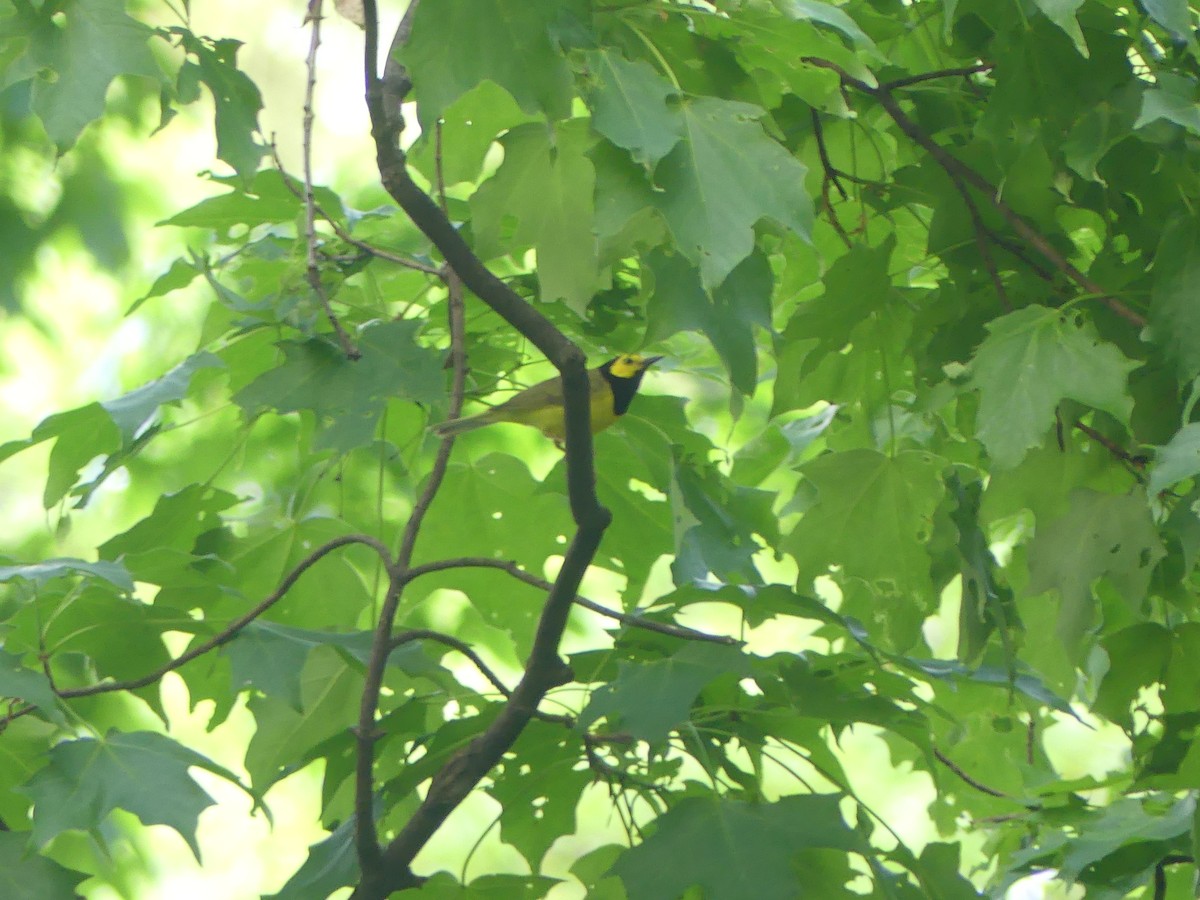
[923, 462]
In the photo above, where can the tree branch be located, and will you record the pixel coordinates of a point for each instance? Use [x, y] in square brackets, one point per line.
[230, 631]
[383, 874]
[427, 634]
[955, 167]
[313, 269]
[964, 72]
[632, 621]
[342, 233]
[978, 785]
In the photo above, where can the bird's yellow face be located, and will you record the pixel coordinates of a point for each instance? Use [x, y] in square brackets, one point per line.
[630, 364]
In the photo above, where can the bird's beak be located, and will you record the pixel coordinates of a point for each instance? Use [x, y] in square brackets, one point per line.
[651, 360]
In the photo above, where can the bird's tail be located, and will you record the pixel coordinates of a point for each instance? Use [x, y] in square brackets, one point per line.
[451, 427]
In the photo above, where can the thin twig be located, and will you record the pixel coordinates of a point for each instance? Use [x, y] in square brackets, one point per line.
[632, 621]
[831, 174]
[955, 166]
[428, 634]
[230, 631]
[1136, 462]
[368, 844]
[310, 228]
[965, 72]
[978, 785]
[982, 236]
[1160, 873]
[342, 233]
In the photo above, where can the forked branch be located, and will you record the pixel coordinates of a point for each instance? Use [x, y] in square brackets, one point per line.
[386, 869]
[960, 171]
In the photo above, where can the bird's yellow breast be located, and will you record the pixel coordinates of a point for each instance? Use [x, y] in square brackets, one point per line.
[549, 420]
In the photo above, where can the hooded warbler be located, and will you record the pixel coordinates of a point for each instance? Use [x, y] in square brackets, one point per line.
[613, 386]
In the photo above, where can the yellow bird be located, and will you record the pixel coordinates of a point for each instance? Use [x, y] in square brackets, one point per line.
[613, 386]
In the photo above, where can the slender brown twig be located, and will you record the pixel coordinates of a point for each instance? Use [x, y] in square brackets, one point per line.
[342, 233]
[230, 631]
[973, 782]
[222, 637]
[1136, 462]
[313, 17]
[981, 240]
[910, 80]
[632, 621]
[427, 634]
[831, 174]
[954, 166]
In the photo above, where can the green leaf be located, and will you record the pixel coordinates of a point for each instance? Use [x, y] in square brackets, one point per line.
[725, 177]
[265, 199]
[18, 681]
[140, 772]
[180, 275]
[510, 43]
[493, 507]
[987, 603]
[1137, 658]
[27, 876]
[470, 126]
[1178, 460]
[1101, 128]
[133, 410]
[864, 492]
[937, 871]
[538, 789]
[235, 97]
[651, 699]
[830, 15]
[857, 286]
[1174, 316]
[1174, 100]
[733, 849]
[75, 56]
[1101, 535]
[1062, 14]
[542, 197]
[331, 864]
[80, 435]
[1031, 361]
[347, 396]
[625, 455]
[443, 886]
[716, 523]
[176, 522]
[726, 316]
[330, 692]
[1172, 15]
[1122, 823]
[60, 567]
[633, 107]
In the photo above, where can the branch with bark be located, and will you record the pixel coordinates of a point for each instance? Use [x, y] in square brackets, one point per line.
[385, 869]
[964, 176]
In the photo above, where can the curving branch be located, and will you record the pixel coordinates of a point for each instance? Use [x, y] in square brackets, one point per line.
[387, 869]
[312, 267]
[632, 621]
[955, 168]
[347, 237]
[222, 637]
[230, 631]
[969, 779]
[428, 634]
